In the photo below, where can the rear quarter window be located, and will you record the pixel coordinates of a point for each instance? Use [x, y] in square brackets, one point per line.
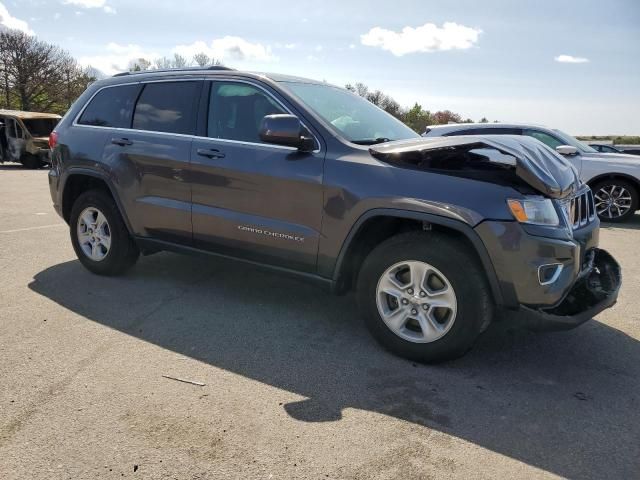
[111, 107]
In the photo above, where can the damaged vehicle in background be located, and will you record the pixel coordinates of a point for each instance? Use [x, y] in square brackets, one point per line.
[435, 236]
[613, 177]
[24, 137]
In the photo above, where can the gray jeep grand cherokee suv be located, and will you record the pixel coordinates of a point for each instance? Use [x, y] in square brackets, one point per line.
[436, 236]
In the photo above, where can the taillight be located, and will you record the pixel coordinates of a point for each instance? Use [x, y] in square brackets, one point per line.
[53, 140]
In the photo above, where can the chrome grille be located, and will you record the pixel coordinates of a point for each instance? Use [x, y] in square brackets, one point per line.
[580, 210]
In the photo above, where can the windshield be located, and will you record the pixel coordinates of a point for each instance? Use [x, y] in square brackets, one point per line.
[583, 147]
[40, 127]
[350, 115]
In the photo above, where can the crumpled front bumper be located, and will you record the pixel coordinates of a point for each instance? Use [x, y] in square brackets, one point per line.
[595, 290]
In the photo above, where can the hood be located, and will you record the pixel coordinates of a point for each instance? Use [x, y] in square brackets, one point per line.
[533, 162]
[626, 158]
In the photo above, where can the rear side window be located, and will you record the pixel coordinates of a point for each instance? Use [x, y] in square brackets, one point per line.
[167, 107]
[111, 107]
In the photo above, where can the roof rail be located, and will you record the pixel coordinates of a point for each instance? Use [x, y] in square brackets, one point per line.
[188, 69]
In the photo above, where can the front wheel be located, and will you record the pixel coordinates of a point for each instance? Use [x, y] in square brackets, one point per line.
[616, 200]
[424, 296]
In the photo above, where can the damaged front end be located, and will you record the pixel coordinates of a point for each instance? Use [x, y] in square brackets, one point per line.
[503, 159]
[595, 290]
[552, 276]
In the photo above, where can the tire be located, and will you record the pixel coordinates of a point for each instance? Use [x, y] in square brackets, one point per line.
[112, 257]
[623, 194]
[31, 161]
[448, 257]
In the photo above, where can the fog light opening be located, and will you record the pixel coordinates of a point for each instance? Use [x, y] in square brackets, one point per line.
[549, 273]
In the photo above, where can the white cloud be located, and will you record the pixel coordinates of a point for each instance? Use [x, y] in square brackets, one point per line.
[570, 59]
[91, 4]
[117, 58]
[7, 22]
[426, 38]
[228, 48]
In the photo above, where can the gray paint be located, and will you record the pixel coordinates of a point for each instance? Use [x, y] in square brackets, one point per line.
[297, 211]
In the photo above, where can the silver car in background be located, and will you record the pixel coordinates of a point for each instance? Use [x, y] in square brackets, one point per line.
[613, 177]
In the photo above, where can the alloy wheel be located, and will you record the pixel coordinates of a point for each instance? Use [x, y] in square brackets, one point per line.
[94, 234]
[416, 301]
[612, 201]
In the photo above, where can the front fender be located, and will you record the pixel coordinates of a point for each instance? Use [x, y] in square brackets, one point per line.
[450, 223]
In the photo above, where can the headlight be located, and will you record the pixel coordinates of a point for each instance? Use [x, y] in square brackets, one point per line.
[539, 211]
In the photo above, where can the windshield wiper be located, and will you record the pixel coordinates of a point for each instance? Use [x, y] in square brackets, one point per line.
[371, 141]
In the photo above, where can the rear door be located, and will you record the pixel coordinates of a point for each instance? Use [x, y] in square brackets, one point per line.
[251, 199]
[154, 154]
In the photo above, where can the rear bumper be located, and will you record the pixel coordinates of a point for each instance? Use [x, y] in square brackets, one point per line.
[594, 291]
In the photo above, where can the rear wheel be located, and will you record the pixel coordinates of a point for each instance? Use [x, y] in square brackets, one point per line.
[616, 200]
[99, 236]
[424, 296]
[31, 161]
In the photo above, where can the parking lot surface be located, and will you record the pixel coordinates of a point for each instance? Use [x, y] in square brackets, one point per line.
[295, 386]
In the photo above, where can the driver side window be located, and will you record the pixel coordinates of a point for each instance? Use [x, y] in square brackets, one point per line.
[236, 111]
[545, 138]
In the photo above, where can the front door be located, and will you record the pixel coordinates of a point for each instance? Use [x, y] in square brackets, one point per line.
[253, 200]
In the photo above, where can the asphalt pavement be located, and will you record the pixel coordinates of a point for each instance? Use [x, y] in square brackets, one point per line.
[295, 387]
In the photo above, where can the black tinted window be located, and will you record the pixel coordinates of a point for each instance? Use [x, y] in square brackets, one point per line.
[236, 111]
[167, 107]
[111, 107]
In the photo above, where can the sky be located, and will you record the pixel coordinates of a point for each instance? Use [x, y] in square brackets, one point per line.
[568, 64]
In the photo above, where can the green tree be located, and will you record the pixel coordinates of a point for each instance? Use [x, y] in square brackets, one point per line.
[37, 75]
[417, 118]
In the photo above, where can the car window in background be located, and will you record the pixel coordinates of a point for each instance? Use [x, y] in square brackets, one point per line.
[40, 127]
[548, 140]
[111, 107]
[167, 107]
[236, 111]
[351, 116]
[569, 140]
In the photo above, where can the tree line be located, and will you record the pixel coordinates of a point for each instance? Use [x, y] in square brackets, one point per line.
[415, 117]
[40, 76]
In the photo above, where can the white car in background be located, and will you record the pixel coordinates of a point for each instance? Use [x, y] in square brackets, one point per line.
[613, 177]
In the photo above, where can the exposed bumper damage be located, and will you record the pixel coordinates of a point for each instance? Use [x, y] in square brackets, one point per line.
[525, 159]
[595, 290]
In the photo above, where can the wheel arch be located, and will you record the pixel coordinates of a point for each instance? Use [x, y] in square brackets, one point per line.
[377, 225]
[610, 176]
[79, 180]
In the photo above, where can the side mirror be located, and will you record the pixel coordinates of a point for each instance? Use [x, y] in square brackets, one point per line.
[286, 130]
[566, 150]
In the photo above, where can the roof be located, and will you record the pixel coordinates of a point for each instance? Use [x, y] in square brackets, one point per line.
[28, 115]
[464, 126]
[200, 71]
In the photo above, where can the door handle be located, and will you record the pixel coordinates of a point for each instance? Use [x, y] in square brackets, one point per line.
[123, 142]
[210, 153]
